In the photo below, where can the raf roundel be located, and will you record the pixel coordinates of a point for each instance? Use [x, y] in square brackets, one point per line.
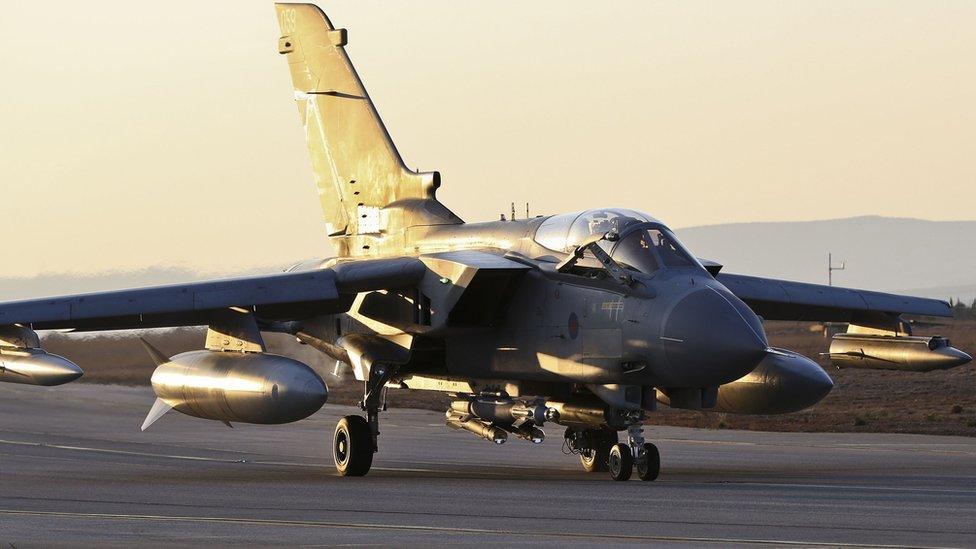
[573, 325]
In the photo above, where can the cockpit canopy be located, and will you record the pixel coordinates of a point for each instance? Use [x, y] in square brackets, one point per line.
[646, 245]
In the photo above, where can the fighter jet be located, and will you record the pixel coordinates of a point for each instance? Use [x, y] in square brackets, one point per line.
[586, 320]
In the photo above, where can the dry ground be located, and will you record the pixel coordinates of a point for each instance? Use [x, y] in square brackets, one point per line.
[942, 402]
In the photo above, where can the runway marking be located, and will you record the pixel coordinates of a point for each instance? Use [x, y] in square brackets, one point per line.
[241, 460]
[448, 529]
[120, 452]
[850, 487]
[479, 472]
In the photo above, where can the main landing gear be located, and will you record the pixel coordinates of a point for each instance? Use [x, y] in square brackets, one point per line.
[355, 439]
[594, 448]
[352, 446]
[599, 450]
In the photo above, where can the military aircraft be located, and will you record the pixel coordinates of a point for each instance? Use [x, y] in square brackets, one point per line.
[586, 320]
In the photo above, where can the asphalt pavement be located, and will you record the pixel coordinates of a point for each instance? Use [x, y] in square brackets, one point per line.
[76, 470]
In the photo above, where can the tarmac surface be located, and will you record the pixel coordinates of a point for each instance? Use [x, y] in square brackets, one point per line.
[76, 470]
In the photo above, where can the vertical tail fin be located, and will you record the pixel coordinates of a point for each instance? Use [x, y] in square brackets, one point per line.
[364, 187]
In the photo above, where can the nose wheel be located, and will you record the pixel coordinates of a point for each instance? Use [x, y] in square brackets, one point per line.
[636, 454]
[647, 458]
[621, 462]
[649, 464]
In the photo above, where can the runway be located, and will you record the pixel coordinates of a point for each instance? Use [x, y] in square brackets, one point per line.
[75, 469]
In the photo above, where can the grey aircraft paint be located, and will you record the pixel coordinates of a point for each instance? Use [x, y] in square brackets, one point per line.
[584, 319]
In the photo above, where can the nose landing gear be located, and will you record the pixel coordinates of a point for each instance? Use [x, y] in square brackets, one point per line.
[646, 456]
[599, 450]
[621, 462]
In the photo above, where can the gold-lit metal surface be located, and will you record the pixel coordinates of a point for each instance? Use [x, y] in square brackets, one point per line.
[593, 313]
[23, 361]
[243, 387]
[36, 367]
[877, 352]
[368, 195]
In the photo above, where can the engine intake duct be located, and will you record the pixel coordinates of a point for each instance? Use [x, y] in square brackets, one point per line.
[885, 352]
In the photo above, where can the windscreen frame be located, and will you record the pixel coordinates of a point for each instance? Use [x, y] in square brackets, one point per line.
[658, 258]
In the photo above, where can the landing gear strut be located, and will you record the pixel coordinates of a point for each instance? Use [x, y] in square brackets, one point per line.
[646, 456]
[355, 439]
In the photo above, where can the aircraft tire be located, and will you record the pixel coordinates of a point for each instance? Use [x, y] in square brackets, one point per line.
[352, 446]
[649, 467]
[595, 460]
[621, 462]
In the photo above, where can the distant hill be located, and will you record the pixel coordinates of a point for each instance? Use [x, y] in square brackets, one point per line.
[917, 257]
[50, 284]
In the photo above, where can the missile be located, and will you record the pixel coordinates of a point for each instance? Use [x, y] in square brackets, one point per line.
[227, 386]
[911, 353]
[483, 429]
[503, 410]
[36, 367]
[23, 361]
[530, 433]
[783, 382]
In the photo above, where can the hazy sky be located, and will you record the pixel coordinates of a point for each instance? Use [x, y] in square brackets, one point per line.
[138, 134]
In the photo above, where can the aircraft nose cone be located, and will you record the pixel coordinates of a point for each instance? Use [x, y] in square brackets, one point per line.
[711, 338]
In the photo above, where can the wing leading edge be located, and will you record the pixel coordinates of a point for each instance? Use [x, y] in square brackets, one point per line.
[278, 296]
[784, 300]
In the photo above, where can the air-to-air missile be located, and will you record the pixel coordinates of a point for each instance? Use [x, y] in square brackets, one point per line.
[23, 361]
[235, 387]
